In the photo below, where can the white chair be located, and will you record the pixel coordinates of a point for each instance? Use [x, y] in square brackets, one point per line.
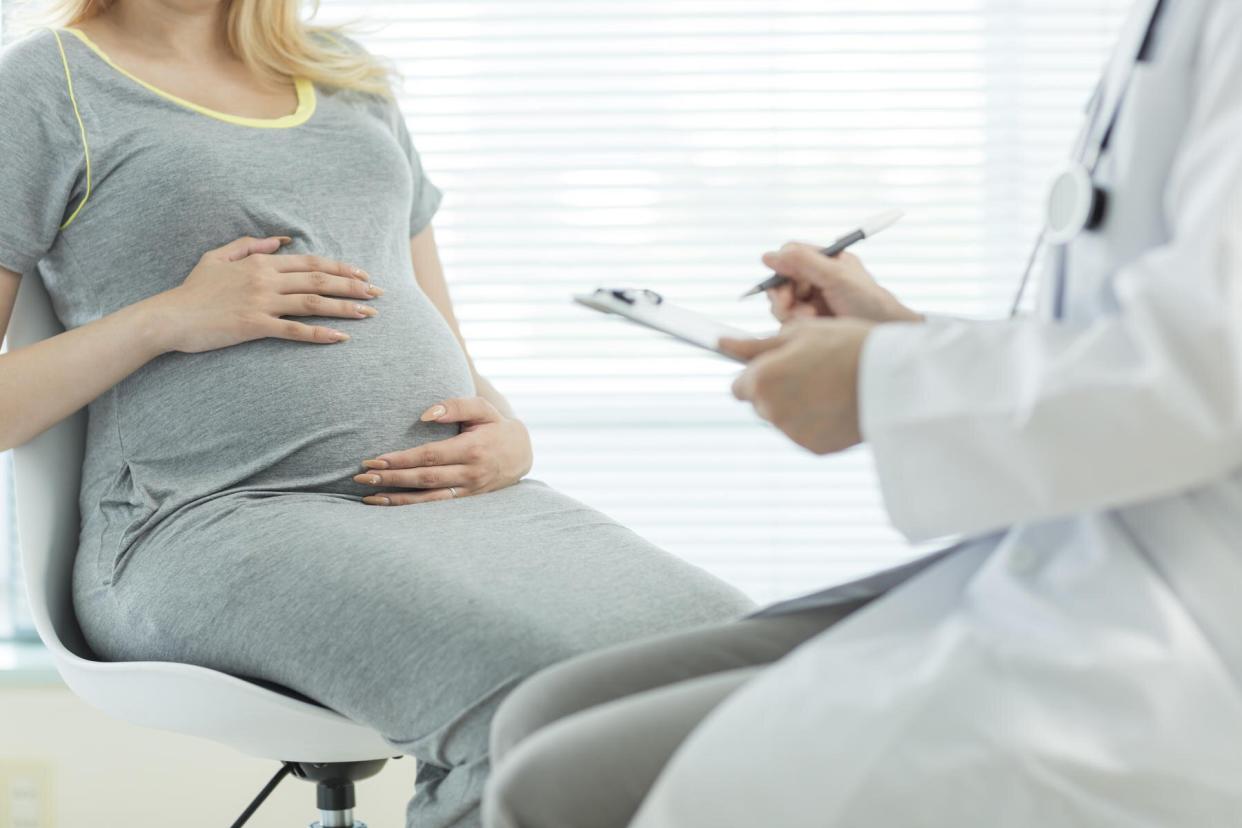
[310, 741]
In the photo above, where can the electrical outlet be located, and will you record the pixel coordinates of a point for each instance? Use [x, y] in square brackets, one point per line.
[25, 795]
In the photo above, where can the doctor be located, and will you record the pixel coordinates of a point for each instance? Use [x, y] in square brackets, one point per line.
[1077, 660]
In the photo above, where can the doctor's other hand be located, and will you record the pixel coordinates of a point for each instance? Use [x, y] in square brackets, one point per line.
[491, 452]
[804, 380]
[824, 286]
[241, 291]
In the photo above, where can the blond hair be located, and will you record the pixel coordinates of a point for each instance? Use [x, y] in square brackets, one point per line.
[269, 36]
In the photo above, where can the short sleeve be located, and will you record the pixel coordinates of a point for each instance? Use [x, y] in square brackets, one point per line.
[41, 153]
[427, 195]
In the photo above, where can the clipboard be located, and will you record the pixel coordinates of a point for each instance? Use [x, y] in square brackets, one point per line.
[648, 308]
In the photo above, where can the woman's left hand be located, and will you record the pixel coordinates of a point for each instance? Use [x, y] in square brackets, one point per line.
[492, 452]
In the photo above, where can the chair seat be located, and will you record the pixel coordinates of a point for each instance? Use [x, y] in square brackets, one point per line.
[196, 701]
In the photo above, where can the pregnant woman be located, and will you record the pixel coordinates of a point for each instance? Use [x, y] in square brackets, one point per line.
[293, 471]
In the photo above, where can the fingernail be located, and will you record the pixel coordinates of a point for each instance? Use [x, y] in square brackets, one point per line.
[376, 500]
[360, 273]
[375, 291]
[285, 240]
[340, 336]
[365, 310]
[434, 413]
[375, 464]
[372, 479]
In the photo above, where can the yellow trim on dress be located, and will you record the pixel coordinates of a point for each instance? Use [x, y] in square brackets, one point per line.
[86, 150]
[305, 91]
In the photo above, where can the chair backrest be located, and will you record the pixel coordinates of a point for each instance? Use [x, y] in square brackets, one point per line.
[48, 471]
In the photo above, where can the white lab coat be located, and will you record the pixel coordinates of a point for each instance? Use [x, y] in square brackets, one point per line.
[1080, 665]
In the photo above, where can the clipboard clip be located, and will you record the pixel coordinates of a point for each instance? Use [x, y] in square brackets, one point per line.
[631, 296]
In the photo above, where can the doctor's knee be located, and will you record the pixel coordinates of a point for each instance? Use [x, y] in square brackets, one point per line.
[545, 697]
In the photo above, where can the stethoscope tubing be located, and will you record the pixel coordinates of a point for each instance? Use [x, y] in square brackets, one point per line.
[1087, 152]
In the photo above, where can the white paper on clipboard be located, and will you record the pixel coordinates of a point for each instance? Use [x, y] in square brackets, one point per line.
[641, 307]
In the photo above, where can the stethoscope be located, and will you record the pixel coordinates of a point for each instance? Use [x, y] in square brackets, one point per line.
[1076, 203]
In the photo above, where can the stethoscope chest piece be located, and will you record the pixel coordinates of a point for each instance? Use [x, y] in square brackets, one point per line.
[1074, 204]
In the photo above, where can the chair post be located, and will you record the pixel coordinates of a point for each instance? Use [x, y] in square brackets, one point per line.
[335, 799]
[334, 789]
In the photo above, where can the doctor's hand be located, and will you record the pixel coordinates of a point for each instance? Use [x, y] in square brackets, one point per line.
[491, 452]
[804, 380]
[823, 286]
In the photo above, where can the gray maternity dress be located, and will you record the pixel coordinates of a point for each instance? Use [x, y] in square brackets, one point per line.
[220, 524]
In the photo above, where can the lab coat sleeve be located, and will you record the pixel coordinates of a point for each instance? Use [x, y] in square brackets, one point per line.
[975, 426]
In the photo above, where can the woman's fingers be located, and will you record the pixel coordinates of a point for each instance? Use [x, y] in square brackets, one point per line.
[454, 450]
[325, 284]
[312, 304]
[249, 246]
[432, 470]
[301, 332]
[410, 498]
[435, 477]
[462, 410]
[301, 263]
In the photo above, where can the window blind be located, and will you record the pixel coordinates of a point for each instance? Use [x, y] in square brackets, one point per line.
[667, 145]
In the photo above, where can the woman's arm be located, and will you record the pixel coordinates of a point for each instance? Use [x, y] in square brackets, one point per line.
[236, 293]
[44, 383]
[430, 275]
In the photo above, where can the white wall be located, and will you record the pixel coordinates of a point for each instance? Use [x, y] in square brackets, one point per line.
[101, 772]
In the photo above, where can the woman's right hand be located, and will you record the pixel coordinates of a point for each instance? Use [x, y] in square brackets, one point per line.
[239, 292]
[836, 286]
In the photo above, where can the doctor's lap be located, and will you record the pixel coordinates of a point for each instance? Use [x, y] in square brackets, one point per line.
[1077, 662]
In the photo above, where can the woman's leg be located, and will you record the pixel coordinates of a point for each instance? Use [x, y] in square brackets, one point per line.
[579, 744]
[593, 769]
[415, 621]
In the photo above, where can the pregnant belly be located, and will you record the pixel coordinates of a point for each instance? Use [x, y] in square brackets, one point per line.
[279, 415]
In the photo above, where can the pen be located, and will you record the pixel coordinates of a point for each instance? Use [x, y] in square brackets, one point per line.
[866, 230]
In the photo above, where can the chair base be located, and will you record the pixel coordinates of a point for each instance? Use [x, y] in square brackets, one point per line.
[334, 789]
